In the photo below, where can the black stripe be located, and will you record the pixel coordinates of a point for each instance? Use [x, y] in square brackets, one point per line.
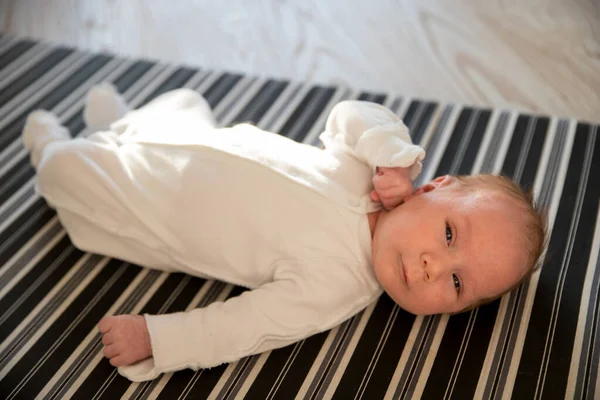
[14, 179]
[474, 357]
[446, 357]
[473, 147]
[215, 93]
[131, 75]
[421, 126]
[455, 142]
[258, 106]
[365, 349]
[416, 362]
[13, 52]
[516, 144]
[293, 380]
[32, 280]
[176, 80]
[23, 228]
[313, 103]
[51, 337]
[568, 311]
[33, 74]
[372, 97]
[532, 161]
[411, 113]
[13, 130]
[533, 349]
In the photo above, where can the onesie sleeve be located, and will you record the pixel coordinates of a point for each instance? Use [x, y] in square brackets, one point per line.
[373, 134]
[300, 302]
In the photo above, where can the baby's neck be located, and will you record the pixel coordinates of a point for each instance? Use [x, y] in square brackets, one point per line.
[373, 221]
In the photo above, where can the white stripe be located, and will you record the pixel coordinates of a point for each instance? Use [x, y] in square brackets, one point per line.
[237, 91]
[488, 135]
[428, 166]
[41, 87]
[413, 342]
[252, 87]
[404, 106]
[503, 149]
[433, 123]
[533, 283]
[466, 135]
[525, 146]
[23, 63]
[280, 118]
[583, 310]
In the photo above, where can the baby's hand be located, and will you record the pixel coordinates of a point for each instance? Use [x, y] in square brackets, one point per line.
[392, 185]
[125, 339]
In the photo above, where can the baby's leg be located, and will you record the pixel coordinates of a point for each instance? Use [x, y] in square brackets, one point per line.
[178, 100]
[106, 108]
[82, 179]
[41, 129]
[103, 106]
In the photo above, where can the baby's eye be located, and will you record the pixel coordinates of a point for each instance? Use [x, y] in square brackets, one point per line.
[456, 282]
[448, 234]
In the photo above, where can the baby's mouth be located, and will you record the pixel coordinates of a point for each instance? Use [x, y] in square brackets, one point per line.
[404, 275]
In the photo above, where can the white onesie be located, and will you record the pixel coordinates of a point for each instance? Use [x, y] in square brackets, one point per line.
[164, 189]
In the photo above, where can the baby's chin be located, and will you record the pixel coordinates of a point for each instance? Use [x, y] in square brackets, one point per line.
[419, 309]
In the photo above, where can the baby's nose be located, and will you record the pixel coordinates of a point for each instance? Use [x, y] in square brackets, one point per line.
[432, 266]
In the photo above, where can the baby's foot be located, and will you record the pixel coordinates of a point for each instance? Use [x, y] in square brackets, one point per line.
[41, 128]
[125, 339]
[104, 105]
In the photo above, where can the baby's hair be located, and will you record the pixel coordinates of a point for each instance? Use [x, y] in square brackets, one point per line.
[535, 233]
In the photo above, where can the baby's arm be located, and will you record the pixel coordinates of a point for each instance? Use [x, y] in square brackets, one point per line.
[376, 136]
[299, 303]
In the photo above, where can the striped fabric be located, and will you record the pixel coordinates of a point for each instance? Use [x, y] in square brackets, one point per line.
[541, 341]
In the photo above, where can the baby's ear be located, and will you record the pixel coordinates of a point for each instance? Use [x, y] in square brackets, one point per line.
[437, 183]
[443, 180]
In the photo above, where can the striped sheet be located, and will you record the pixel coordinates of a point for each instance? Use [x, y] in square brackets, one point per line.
[541, 341]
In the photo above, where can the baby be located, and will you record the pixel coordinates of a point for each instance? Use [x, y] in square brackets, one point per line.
[316, 234]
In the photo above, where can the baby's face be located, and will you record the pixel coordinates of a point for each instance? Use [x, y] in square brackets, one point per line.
[445, 249]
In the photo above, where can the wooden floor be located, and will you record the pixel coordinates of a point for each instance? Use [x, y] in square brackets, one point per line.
[534, 55]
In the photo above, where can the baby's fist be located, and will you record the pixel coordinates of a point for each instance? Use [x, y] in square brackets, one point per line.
[125, 339]
[392, 185]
